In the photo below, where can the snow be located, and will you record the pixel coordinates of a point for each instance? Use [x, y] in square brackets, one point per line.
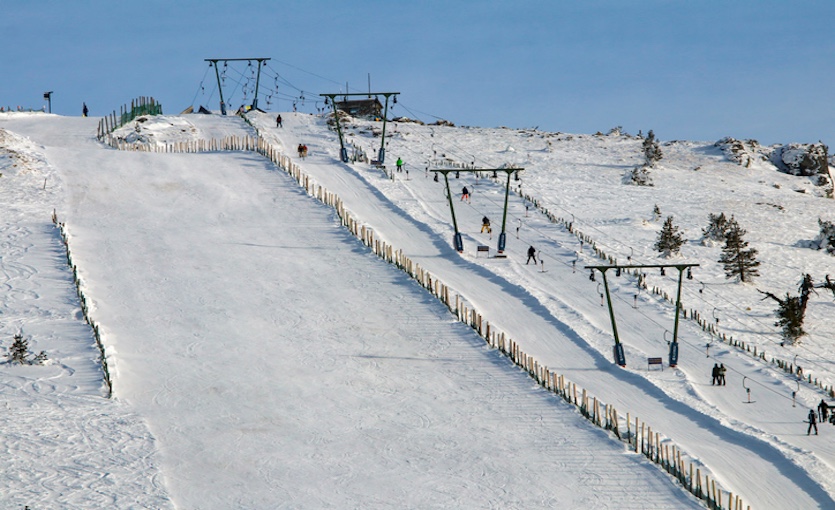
[263, 357]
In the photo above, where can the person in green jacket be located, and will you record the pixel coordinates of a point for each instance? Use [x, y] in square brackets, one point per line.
[399, 165]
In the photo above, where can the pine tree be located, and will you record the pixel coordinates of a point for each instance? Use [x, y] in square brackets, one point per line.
[19, 350]
[652, 151]
[739, 262]
[656, 213]
[669, 239]
[790, 313]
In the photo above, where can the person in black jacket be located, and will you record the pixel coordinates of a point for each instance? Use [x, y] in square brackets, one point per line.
[813, 418]
[531, 255]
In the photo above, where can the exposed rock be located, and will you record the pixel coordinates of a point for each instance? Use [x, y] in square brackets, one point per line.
[802, 159]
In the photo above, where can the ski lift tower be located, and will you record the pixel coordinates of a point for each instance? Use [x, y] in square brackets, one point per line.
[457, 241]
[343, 152]
[214, 61]
[620, 358]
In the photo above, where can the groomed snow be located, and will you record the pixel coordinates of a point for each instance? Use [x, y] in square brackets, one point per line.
[263, 358]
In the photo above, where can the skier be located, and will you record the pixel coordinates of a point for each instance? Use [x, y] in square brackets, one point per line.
[812, 422]
[715, 373]
[84, 110]
[823, 410]
[465, 194]
[301, 150]
[722, 371]
[399, 165]
[531, 255]
[278, 121]
[485, 225]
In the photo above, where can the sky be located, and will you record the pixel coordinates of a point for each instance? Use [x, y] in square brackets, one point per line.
[687, 70]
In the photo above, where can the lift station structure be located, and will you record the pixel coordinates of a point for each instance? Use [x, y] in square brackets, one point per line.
[343, 152]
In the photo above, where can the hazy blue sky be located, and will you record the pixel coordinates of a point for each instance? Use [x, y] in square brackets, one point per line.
[696, 70]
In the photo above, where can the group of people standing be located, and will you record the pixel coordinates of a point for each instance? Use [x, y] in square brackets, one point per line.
[718, 374]
[822, 416]
[302, 150]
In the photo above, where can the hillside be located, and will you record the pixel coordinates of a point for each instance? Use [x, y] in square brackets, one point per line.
[214, 276]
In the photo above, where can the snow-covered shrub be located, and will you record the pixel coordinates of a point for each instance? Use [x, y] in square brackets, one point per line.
[639, 176]
[344, 118]
[716, 229]
[826, 237]
[408, 120]
[740, 152]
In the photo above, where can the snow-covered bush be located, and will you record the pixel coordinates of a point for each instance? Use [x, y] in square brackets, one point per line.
[639, 176]
[826, 237]
[716, 229]
[740, 152]
[408, 120]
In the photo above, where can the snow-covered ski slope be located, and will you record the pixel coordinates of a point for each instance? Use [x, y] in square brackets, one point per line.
[277, 363]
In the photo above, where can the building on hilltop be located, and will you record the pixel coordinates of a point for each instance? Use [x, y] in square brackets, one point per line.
[370, 107]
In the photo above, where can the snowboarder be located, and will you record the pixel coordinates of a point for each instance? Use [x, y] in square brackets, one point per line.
[823, 410]
[399, 165]
[278, 121]
[812, 422]
[84, 110]
[715, 374]
[465, 194]
[722, 371]
[531, 255]
[485, 225]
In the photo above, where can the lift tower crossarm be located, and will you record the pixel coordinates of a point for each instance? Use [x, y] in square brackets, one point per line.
[620, 358]
[381, 155]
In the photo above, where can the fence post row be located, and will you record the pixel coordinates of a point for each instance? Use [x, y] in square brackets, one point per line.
[83, 303]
